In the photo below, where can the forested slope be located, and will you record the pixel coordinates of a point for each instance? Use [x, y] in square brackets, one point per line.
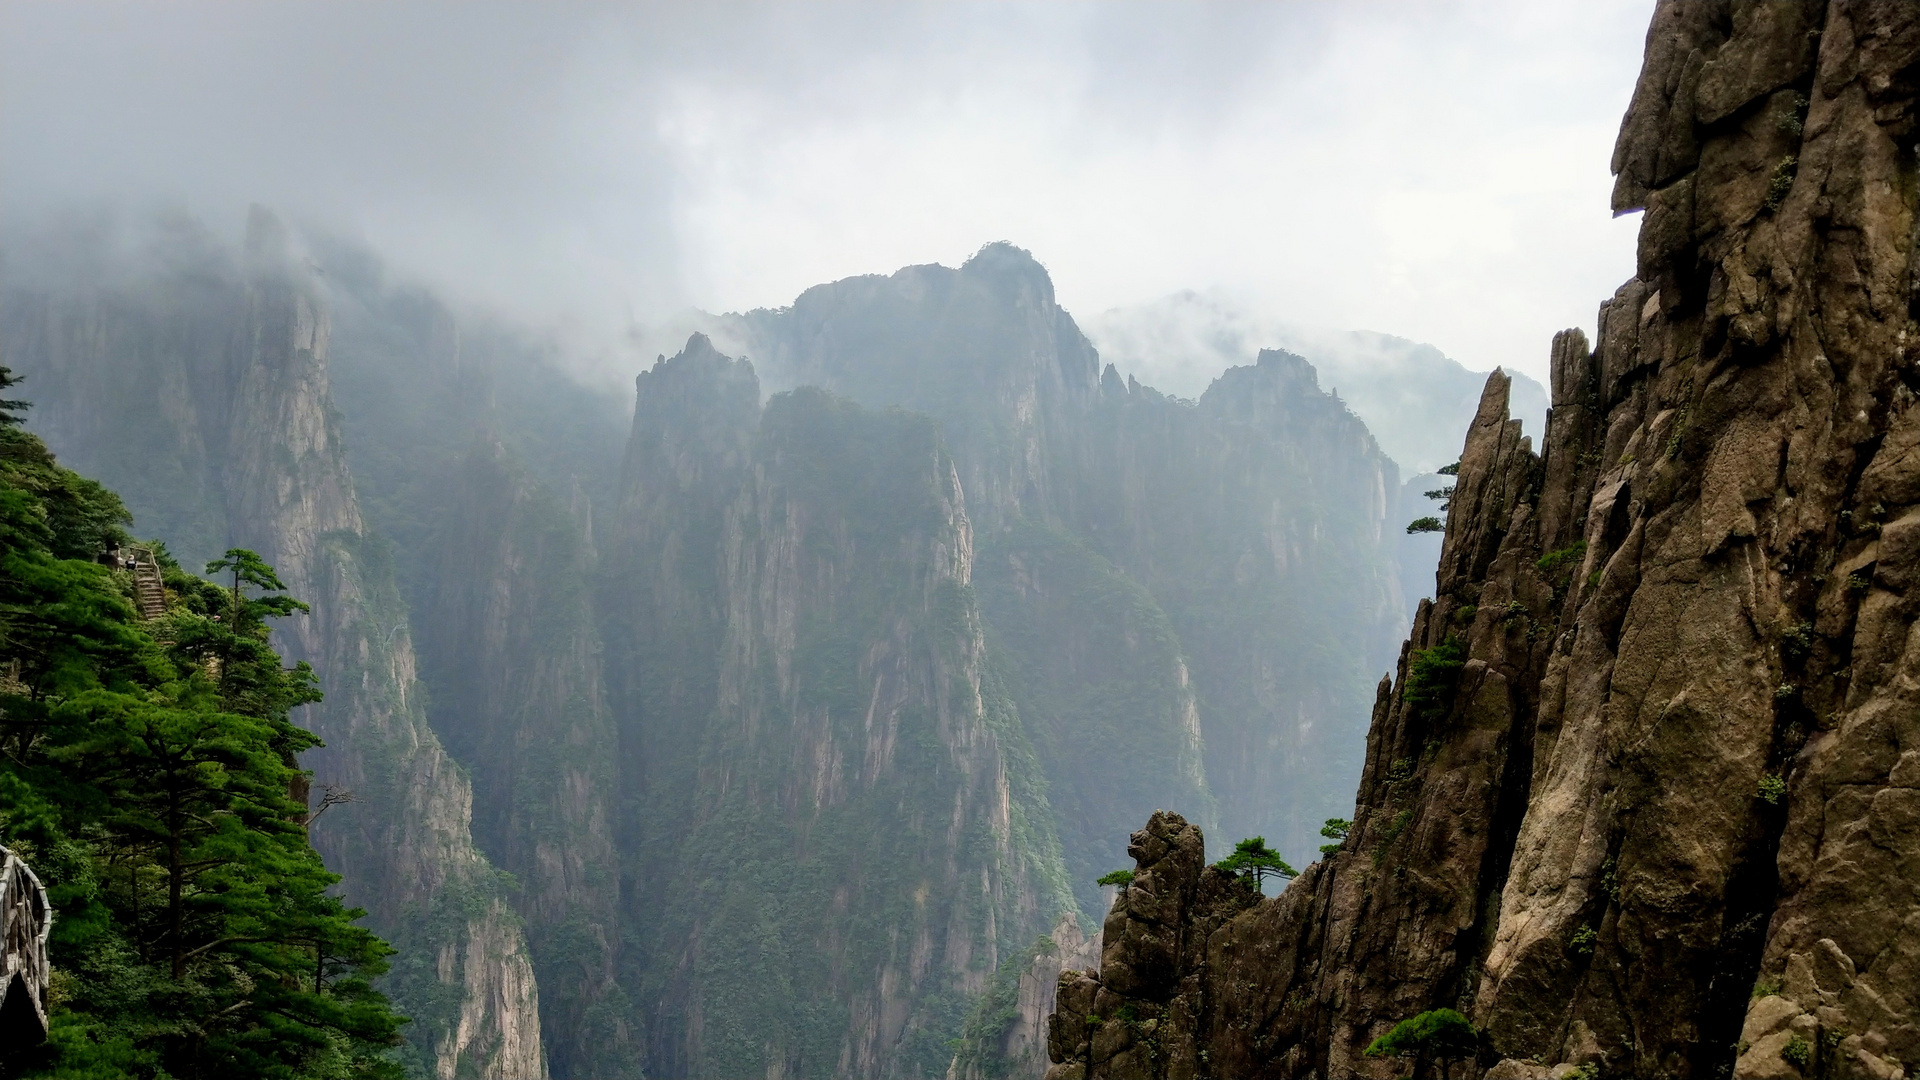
[149, 772]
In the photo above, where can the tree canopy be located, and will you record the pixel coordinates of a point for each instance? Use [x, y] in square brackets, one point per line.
[1441, 1035]
[1336, 830]
[1253, 860]
[145, 774]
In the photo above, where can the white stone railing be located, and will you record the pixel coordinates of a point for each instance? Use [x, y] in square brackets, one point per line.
[25, 919]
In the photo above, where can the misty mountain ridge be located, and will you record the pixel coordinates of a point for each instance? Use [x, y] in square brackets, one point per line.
[960, 572]
[1414, 398]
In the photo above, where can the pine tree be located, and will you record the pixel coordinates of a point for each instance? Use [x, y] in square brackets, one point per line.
[145, 772]
[1254, 861]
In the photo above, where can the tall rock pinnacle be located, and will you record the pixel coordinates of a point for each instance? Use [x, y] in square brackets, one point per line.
[1645, 795]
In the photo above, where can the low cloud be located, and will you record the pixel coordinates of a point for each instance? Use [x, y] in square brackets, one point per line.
[1436, 171]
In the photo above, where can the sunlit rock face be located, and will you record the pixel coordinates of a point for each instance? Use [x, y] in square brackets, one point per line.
[1641, 795]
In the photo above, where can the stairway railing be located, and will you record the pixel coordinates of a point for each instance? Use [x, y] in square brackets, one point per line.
[25, 920]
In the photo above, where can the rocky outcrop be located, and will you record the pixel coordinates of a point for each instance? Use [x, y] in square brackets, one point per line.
[205, 395]
[1640, 797]
[1006, 1037]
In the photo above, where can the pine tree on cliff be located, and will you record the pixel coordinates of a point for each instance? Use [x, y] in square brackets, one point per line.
[1253, 859]
[10, 408]
[1442, 1035]
[193, 931]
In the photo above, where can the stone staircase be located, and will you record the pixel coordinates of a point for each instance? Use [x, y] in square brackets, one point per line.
[149, 594]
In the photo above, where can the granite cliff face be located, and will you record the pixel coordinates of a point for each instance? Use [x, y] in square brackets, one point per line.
[509, 644]
[1007, 1034]
[860, 833]
[204, 395]
[1264, 519]
[1642, 796]
[1260, 521]
[1102, 688]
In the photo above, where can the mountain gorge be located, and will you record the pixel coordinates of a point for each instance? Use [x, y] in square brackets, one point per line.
[1640, 800]
[907, 682]
[790, 739]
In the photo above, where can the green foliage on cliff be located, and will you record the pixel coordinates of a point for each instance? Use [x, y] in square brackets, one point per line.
[1554, 560]
[1441, 1035]
[1431, 674]
[1772, 789]
[145, 772]
[1253, 860]
[1335, 829]
[979, 1052]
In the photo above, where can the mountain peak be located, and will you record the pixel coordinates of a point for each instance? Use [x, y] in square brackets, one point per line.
[1006, 263]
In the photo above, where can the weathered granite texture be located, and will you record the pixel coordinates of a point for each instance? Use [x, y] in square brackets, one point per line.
[1661, 818]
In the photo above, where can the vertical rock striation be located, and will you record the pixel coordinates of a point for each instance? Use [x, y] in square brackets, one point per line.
[845, 830]
[1258, 517]
[1642, 796]
[1260, 520]
[1102, 687]
[1006, 1036]
[508, 643]
[222, 372]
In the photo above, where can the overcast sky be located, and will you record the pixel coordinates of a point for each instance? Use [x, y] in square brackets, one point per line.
[1432, 170]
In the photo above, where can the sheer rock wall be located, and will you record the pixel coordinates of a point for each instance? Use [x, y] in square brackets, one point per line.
[839, 829]
[1261, 519]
